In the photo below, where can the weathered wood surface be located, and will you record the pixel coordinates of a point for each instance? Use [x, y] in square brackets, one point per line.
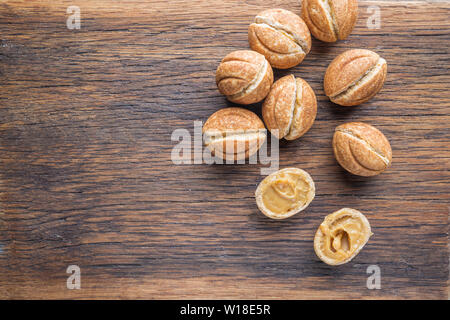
[86, 178]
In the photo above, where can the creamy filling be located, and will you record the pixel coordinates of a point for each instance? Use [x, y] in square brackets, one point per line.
[285, 193]
[291, 112]
[301, 44]
[331, 16]
[218, 136]
[366, 77]
[254, 83]
[296, 109]
[343, 237]
[225, 140]
[368, 145]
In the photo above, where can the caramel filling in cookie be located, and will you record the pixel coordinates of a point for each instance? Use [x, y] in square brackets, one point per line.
[285, 192]
[235, 142]
[254, 83]
[300, 44]
[366, 78]
[297, 109]
[343, 234]
[358, 141]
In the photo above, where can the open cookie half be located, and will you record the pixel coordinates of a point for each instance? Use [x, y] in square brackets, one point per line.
[284, 193]
[341, 236]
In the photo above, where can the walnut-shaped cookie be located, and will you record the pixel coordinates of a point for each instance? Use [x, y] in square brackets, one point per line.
[355, 77]
[234, 133]
[281, 36]
[330, 20]
[361, 149]
[290, 108]
[244, 77]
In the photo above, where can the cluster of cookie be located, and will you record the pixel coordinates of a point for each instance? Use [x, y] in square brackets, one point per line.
[281, 39]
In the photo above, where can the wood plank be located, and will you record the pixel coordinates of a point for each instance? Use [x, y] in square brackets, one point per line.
[86, 177]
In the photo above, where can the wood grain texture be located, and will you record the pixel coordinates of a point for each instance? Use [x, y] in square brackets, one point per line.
[86, 178]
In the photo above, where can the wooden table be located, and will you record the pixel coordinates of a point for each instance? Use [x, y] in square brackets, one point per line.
[86, 177]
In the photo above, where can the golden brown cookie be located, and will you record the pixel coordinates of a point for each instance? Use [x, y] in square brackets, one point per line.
[281, 36]
[361, 149]
[290, 108]
[355, 77]
[284, 193]
[341, 236]
[234, 133]
[330, 20]
[244, 77]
